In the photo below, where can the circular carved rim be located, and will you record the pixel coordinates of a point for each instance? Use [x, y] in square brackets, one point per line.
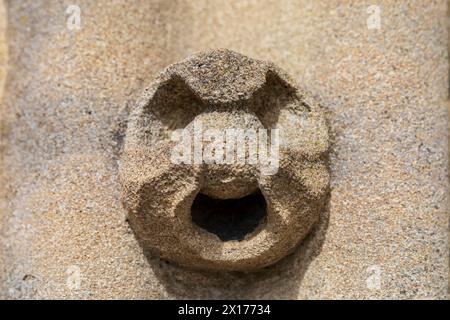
[158, 194]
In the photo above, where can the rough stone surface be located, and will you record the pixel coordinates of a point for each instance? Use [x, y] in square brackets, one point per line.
[223, 90]
[3, 63]
[67, 97]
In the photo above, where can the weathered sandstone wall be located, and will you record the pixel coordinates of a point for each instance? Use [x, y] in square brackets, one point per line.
[65, 105]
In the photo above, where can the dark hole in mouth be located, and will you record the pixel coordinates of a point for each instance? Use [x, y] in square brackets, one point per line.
[229, 219]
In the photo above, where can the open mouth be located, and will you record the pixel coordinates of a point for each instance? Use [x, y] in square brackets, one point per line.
[229, 219]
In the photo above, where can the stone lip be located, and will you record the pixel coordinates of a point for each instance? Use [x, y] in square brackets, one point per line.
[227, 89]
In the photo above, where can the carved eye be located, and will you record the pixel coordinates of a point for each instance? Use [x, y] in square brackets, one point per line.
[280, 105]
[272, 98]
[173, 106]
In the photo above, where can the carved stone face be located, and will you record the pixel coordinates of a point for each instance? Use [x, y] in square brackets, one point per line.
[224, 164]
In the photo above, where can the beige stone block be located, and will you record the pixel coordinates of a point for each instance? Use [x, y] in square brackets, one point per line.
[67, 98]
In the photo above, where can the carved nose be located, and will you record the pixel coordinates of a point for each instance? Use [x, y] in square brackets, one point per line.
[229, 152]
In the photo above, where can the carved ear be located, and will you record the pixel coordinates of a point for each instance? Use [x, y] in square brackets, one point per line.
[172, 106]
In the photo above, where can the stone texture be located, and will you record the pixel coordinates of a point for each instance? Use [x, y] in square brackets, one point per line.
[67, 98]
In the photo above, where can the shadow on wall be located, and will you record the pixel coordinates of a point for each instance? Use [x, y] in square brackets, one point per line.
[279, 281]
